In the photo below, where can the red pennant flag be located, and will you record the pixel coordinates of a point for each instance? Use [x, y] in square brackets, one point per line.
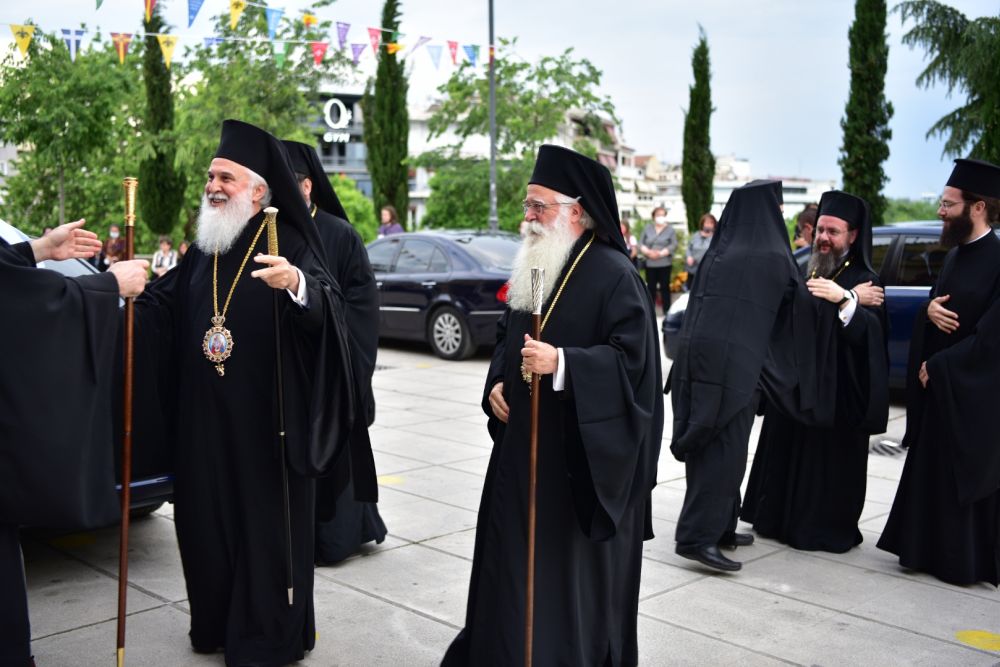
[121, 41]
[319, 50]
[375, 35]
[149, 9]
[453, 49]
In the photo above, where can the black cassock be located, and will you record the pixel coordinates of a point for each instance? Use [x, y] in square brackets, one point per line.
[60, 341]
[223, 431]
[945, 519]
[598, 446]
[355, 519]
[807, 483]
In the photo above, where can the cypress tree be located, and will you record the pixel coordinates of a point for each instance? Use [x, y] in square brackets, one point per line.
[698, 163]
[161, 187]
[866, 118]
[387, 123]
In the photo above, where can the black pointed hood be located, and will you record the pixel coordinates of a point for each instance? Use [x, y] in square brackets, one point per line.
[855, 212]
[305, 161]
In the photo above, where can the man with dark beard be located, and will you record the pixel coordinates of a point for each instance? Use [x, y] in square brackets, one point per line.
[600, 424]
[807, 483]
[945, 519]
[206, 355]
[344, 522]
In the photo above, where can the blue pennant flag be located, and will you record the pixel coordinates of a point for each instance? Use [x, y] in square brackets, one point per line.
[72, 39]
[194, 6]
[273, 16]
[472, 52]
[435, 53]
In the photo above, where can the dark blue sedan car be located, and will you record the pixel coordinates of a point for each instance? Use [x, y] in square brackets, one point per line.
[447, 288]
[908, 258]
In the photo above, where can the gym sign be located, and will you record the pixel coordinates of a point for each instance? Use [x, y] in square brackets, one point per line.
[337, 118]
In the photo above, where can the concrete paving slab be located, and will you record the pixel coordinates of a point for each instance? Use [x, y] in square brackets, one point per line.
[662, 643]
[477, 465]
[390, 464]
[445, 485]
[425, 447]
[455, 431]
[425, 519]
[393, 417]
[461, 543]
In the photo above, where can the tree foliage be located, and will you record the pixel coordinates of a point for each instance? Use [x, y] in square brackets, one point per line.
[697, 162]
[964, 54]
[387, 123]
[866, 117]
[357, 206]
[161, 186]
[908, 210]
[460, 193]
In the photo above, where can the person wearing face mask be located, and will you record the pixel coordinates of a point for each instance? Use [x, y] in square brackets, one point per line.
[113, 248]
[657, 245]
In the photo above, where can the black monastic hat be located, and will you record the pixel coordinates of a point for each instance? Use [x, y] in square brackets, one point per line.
[262, 153]
[305, 162]
[976, 176]
[575, 175]
[854, 211]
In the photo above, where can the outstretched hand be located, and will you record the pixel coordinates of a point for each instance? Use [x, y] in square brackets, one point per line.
[66, 242]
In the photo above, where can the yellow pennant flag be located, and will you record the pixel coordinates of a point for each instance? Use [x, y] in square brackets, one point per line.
[393, 47]
[236, 8]
[22, 35]
[309, 20]
[167, 44]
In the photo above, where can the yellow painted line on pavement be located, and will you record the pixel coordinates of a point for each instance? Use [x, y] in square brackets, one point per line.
[425, 365]
[982, 639]
[390, 480]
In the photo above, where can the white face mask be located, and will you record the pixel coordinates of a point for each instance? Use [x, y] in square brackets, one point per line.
[660, 219]
[113, 235]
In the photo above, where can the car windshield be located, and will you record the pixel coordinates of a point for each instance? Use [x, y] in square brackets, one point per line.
[493, 252]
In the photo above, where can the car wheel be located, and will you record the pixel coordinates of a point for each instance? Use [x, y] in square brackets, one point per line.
[448, 334]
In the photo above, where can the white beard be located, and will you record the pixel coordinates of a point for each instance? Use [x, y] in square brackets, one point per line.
[218, 228]
[544, 247]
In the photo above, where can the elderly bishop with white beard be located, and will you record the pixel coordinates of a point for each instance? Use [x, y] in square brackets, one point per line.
[600, 423]
[207, 390]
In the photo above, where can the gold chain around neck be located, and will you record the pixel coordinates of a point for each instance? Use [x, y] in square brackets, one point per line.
[837, 274]
[559, 292]
[232, 288]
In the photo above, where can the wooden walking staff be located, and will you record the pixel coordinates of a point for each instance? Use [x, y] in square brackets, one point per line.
[537, 282]
[130, 184]
[271, 218]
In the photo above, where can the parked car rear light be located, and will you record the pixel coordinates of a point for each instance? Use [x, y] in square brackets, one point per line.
[502, 293]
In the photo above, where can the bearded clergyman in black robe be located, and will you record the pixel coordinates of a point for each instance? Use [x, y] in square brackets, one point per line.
[54, 473]
[345, 520]
[945, 519]
[807, 484]
[206, 342]
[600, 423]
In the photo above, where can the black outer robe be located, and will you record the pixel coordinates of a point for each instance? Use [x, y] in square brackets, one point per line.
[353, 522]
[945, 519]
[223, 430]
[807, 484]
[599, 442]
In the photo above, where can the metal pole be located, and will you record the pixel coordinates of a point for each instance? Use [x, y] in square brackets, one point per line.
[494, 222]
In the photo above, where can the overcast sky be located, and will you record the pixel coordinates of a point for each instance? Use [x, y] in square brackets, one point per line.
[779, 67]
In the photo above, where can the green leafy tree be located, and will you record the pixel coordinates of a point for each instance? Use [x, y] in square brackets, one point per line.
[387, 123]
[866, 118]
[73, 125]
[460, 188]
[357, 206]
[907, 210]
[964, 55]
[274, 86]
[697, 161]
[161, 191]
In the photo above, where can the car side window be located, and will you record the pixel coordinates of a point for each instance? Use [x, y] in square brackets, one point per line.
[380, 255]
[439, 263]
[415, 256]
[880, 248]
[921, 263]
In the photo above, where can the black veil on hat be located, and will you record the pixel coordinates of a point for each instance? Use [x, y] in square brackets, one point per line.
[305, 161]
[576, 175]
[251, 147]
[976, 176]
[854, 211]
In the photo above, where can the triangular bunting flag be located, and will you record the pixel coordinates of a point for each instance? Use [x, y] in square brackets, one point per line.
[280, 53]
[149, 9]
[121, 41]
[309, 20]
[393, 47]
[22, 35]
[453, 49]
[72, 39]
[356, 51]
[472, 53]
[194, 6]
[273, 16]
[236, 8]
[435, 53]
[396, 37]
[319, 50]
[420, 42]
[167, 44]
[342, 29]
[99, 3]
[375, 35]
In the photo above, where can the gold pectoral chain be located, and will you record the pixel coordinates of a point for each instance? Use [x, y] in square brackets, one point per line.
[837, 274]
[525, 375]
[218, 342]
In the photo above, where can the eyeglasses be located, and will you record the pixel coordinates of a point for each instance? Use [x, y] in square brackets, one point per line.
[945, 204]
[539, 207]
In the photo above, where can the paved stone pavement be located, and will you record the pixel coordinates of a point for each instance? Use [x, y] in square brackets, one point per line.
[401, 603]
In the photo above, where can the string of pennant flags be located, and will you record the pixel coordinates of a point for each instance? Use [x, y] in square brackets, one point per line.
[23, 34]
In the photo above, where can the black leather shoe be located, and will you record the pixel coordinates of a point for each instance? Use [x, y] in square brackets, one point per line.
[709, 554]
[733, 540]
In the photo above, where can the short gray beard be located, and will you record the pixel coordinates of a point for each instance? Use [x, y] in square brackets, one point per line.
[543, 247]
[822, 265]
[218, 228]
